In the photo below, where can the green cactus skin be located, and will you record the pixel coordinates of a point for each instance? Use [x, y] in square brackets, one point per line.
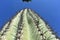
[27, 25]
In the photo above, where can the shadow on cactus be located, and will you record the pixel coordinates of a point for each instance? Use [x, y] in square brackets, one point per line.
[27, 25]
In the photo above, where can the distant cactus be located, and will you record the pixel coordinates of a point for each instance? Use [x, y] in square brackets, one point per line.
[27, 25]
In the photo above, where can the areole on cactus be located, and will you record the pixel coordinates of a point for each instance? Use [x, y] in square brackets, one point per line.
[27, 25]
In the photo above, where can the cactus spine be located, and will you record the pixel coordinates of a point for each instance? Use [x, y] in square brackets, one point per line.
[27, 25]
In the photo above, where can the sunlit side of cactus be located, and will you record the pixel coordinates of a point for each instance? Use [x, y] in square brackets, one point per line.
[27, 25]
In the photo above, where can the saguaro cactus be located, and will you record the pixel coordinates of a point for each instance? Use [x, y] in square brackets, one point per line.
[27, 25]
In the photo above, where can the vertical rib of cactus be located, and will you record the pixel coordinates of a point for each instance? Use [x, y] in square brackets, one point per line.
[26, 33]
[11, 33]
[35, 35]
[29, 30]
[3, 29]
[35, 19]
[46, 32]
[44, 28]
[5, 26]
[20, 27]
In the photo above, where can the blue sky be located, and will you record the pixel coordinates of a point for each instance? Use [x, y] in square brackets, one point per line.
[49, 10]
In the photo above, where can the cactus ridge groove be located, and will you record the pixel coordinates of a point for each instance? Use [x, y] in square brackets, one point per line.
[19, 28]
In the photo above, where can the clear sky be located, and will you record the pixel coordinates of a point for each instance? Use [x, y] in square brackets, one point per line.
[49, 10]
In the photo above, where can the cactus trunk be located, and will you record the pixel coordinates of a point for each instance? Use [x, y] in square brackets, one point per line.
[27, 25]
